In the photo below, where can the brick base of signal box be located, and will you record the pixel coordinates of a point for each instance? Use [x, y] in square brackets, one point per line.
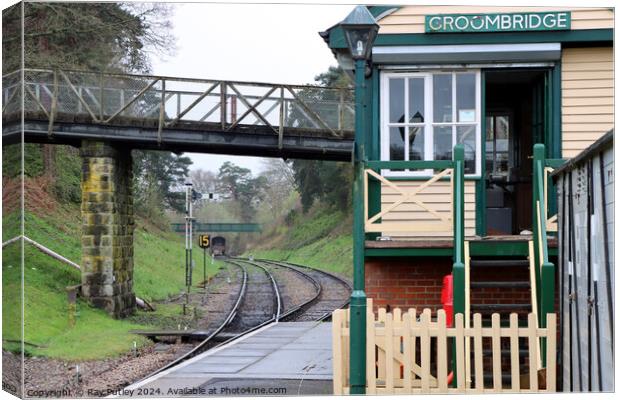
[416, 282]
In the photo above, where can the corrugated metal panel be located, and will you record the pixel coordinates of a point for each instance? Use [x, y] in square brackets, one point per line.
[585, 201]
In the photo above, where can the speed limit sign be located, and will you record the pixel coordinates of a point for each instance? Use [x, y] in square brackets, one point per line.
[203, 241]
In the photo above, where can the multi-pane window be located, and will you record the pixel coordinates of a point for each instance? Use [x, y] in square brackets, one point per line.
[425, 114]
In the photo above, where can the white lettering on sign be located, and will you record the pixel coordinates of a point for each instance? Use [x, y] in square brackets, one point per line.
[498, 22]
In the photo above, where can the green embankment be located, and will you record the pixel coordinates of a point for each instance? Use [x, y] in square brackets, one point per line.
[158, 273]
[320, 239]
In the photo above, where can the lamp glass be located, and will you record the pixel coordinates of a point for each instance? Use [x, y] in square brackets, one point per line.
[360, 39]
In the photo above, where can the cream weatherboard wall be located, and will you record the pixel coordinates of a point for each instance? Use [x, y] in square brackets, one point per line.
[410, 19]
[437, 197]
[587, 105]
[587, 97]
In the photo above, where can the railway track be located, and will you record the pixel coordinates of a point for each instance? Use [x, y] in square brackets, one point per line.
[333, 293]
[259, 302]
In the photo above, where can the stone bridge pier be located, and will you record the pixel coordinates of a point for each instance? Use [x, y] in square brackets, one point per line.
[107, 227]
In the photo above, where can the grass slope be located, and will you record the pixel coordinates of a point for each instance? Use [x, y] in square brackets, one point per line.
[321, 239]
[158, 273]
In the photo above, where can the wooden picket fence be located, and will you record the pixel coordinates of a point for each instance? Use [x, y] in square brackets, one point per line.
[404, 339]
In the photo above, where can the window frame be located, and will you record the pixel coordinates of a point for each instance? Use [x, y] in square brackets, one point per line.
[428, 123]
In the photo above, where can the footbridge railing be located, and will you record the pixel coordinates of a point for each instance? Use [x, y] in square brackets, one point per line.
[163, 102]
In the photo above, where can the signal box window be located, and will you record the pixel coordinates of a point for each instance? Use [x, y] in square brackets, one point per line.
[425, 114]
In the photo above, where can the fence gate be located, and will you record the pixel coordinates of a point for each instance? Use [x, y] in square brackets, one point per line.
[409, 353]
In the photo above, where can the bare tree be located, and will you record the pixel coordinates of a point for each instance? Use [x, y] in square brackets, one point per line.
[280, 184]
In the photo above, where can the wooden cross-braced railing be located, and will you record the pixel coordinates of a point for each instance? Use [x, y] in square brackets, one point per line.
[110, 98]
[442, 221]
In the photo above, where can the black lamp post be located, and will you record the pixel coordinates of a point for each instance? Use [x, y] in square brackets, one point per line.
[360, 30]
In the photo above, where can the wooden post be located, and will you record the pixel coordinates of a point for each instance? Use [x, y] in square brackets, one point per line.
[72, 301]
[533, 350]
[514, 353]
[337, 363]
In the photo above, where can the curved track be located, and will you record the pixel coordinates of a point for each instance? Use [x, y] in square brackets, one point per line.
[334, 293]
[259, 302]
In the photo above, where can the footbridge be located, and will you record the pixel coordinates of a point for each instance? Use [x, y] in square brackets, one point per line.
[108, 115]
[178, 114]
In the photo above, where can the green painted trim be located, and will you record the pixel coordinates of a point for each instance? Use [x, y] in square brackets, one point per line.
[410, 252]
[476, 248]
[554, 162]
[413, 164]
[496, 248]
[481, 200]
[336, 38]
[373, 151]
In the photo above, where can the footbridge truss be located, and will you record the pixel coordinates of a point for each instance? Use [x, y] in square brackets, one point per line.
[178, 114]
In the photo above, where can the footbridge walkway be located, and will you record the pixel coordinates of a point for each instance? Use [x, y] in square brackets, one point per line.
[178, 114]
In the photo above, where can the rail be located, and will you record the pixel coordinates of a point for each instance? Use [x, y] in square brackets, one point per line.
[203, 345]
[407, 353]
[110, 98]
[306, 306]
[544, 269]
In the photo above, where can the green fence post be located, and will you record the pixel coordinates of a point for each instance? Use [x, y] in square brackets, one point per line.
[458, 219]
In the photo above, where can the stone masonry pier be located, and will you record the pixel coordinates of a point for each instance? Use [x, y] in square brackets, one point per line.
[107, 228]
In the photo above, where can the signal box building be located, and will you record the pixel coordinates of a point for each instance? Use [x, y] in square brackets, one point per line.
[519, 88]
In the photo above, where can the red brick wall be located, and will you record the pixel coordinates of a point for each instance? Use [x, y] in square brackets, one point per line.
[406, 282]
[416, 282]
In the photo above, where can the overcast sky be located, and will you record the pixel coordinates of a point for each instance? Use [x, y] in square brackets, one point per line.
[249, 42]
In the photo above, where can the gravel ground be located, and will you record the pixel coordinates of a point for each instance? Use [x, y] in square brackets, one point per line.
[213, 304]
[11, 373]
[56, 378]
[294, 288]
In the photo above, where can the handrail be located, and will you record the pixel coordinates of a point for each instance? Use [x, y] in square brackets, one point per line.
[545, 270]
[467, 315]
[109, 98]
[533, 293]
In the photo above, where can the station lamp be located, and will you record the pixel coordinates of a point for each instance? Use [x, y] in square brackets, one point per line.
[360, 30]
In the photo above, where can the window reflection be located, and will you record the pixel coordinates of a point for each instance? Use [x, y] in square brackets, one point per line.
[466, 135]
[442, 98]
[497, 157]
[397, 144]
[397, 100]
[416, 100]
[442, 143]
[416, 143]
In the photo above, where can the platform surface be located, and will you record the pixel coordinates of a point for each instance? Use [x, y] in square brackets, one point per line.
[287, 358]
